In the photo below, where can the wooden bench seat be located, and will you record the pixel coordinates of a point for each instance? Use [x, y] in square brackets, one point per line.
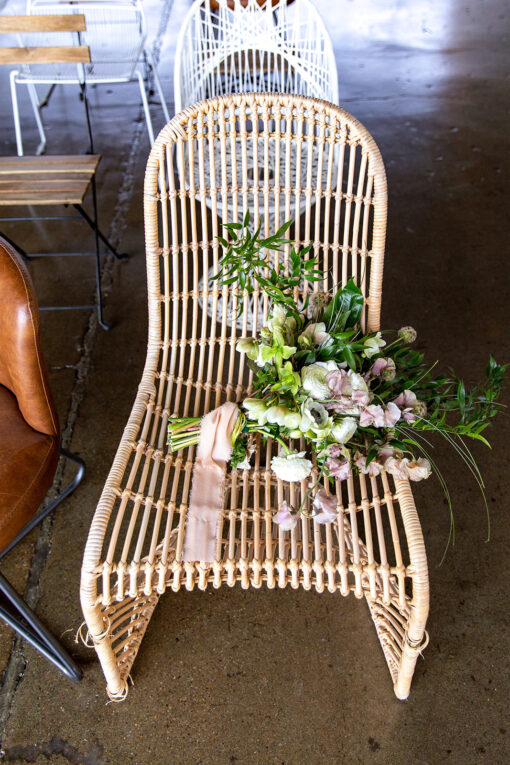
[46, 180]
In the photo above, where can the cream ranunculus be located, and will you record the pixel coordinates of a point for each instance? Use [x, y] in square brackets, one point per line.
[313, 379]
[256, 409]
[283, 416]
[291, 467]
[343, 430]
[373, 345]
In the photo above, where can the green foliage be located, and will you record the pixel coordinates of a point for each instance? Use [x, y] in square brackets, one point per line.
[244, 264]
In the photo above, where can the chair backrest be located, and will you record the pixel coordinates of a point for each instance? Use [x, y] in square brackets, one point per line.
[115, 35]
[22, 367]
[252, 48]
[344, 219]
[41, 27]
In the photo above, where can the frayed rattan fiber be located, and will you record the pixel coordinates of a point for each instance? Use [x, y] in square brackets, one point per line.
[375, 548]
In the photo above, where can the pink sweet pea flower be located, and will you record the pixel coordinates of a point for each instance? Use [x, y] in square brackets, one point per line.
[372, 415]
[284, 518]
[391, 415]
[373, 469]
[414, 470]
[405, 399]
[396, 467]
[419, 469]
[340, 469]
[338, 382]
[378, 367]
[325, 507]
[406, 402]
[361, 397]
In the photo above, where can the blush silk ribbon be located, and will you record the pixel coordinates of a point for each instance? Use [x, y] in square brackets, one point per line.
[208, 484]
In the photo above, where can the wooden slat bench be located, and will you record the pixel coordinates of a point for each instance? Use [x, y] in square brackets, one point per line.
[46, 180]
[42, 180]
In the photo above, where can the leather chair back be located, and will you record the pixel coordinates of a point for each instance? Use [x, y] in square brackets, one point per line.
[22, 367]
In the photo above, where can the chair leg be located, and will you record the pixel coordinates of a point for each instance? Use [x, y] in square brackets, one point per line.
[116, 631]
[37, 114]
[94, 226]
[401, 626]
[33, 630]
[15, 112]
[145, 103]
[158, 85]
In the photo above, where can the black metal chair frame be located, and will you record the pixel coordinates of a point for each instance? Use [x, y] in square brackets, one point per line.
[13, 609]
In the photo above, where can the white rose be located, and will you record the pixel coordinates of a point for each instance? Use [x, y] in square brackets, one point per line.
[344, 429]
[291, 467]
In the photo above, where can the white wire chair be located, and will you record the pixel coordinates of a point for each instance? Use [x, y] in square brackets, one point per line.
[244, 46]
[283, 49]
[116, 34]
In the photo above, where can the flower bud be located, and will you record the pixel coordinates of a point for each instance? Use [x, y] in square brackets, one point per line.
[420, 409]
[389, 370]
[407, 334]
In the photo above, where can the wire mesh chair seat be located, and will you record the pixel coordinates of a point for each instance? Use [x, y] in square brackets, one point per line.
[375, 548]
[116, 34]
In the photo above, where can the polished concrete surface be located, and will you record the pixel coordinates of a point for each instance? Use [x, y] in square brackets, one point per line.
[284, 677]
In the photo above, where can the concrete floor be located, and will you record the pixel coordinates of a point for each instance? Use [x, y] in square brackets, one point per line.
[290, 677]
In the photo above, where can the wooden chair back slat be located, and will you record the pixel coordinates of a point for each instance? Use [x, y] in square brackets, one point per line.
[43, 23]
[61, 54]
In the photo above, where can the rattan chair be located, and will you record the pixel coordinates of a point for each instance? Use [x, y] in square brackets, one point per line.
[375, 548]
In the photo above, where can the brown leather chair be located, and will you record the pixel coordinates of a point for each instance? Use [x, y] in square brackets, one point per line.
[29, 442]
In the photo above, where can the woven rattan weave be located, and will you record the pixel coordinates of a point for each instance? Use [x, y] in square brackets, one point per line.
[375, 548]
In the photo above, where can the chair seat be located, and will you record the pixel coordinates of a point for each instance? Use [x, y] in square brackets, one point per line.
[359, 552]
[28, 460]
[46, 180]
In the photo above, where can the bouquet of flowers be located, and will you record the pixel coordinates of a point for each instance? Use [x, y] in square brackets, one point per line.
[357, 402]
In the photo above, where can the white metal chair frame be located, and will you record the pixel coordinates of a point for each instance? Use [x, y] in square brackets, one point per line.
[284, 49]
[101, 70]
[282, 59]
